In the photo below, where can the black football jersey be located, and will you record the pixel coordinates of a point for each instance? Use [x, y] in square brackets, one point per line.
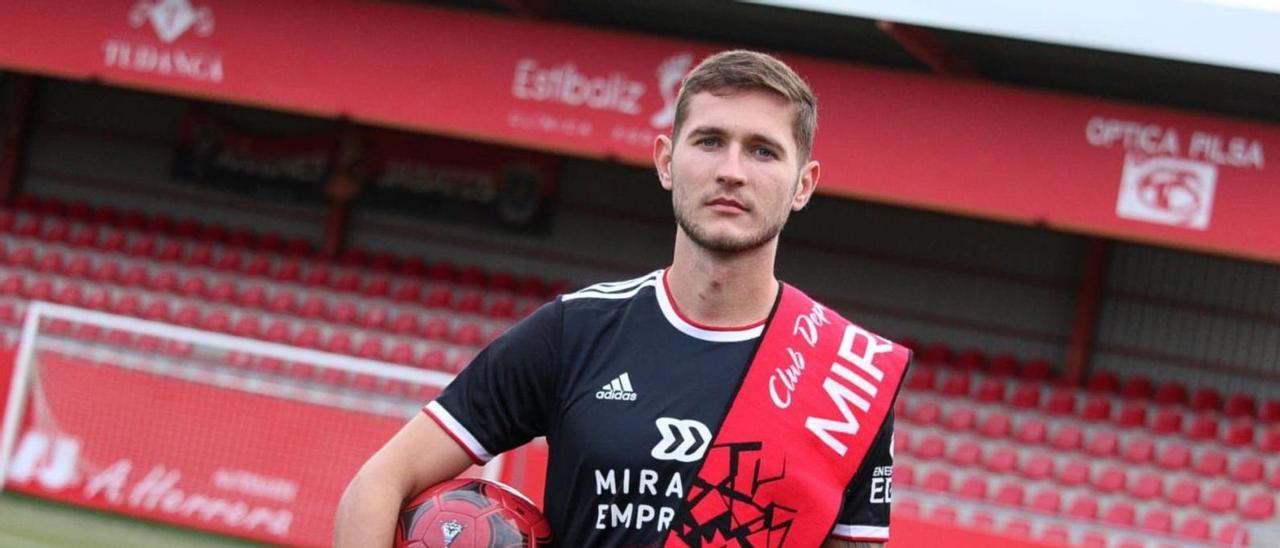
[629, 394]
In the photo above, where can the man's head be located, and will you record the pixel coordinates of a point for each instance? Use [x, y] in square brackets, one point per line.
[737, 162]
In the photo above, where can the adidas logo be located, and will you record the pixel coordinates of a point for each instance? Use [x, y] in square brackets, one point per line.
[618, 389]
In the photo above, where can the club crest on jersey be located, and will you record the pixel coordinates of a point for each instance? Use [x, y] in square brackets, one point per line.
[617, 389]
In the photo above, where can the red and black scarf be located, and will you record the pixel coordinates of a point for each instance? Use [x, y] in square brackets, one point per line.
[805, 414]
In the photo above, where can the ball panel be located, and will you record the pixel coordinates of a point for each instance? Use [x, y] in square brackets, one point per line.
[469, 512]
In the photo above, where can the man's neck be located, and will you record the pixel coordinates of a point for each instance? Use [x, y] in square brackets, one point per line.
[721, 290]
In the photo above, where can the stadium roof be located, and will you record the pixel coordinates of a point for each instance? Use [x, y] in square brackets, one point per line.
[1197, 86]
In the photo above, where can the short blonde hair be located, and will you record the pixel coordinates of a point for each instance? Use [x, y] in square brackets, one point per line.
[741, 70]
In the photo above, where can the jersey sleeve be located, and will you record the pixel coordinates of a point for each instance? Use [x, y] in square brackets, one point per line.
[505, 397]
[865, 513]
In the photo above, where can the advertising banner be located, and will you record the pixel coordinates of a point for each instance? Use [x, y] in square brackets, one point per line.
[188, 453]
[1081, 164]
[421, 175]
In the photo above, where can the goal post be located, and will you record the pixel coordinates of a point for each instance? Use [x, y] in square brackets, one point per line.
[202, 429]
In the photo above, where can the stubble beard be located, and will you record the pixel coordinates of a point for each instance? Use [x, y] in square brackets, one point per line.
[724, 244]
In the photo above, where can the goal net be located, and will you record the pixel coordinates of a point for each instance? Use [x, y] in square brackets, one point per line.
[196, 428]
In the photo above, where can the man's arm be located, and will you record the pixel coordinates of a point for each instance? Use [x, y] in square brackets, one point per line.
[420, 455]
[842, 543]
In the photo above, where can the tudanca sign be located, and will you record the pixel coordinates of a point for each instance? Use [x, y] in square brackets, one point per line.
[169, 20]
[1165, 179]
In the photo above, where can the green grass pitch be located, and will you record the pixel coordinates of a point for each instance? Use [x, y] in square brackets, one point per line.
[28, 522]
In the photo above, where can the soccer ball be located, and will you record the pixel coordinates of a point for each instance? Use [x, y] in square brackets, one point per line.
[465, 513]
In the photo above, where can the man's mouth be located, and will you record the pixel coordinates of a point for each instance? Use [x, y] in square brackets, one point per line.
[727, 203]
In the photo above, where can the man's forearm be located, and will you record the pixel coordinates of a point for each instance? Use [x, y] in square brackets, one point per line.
[366, 514]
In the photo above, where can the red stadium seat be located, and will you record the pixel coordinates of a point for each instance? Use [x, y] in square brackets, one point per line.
[194, 285]
[1102, 443]
[377, 286]
[405, 323]
[23, 257]
[436, 329]
[1074, 472]
[1184, 492]
[288, 271]
[942, 513]
[346, 281]
[1017, 528]
[1147, 485]
[279, 331]
[371, 348]
[259, 265]
[247, 325]
[956, 383]
[29, 227]
[1096, 409]
[135, 276]
[401, 353]
[170, 251]
[1139, 450]
[972, 359]
[1119, 513]
[1211, 462]
[85, 236]
[318, 275]
[1132, 415]
[50, 262]
[1111, 479]
[931, 447]
[314, 307]
[13, 284]
[200, 255]
[1239, 432]
[254, 296]
[1037, 370]
[937, 479]
[433, 359]
[1171, 393]
[189, 315]
[924, 412]
[407, 291]
[343, 313]
[440, 297]
[141, 245]
[502, 306]
[1001, 460]
[1102, 382]
[157, 310]
[1259, 505]
[114, 242]
[282, 301]
[1203, 427]
[1010, 493]
[1025, 396]
[241, 237]
[309, 336]
[164, 280]
[217, 320]
[1062, 401]
[374, 317]
[1247, 469]
[1167, 421]
[222, 291]
[1173, 456]
[1083, 506]
[1270, 411]
[966, 453]
[959, 419]
[1002, 365]
[1232, 534]
[973, 487]
[338, 342]
[1037, 466]
[228, 260]
[1047, 500]
[187, 228]
[1031, 431]
[1241, 404]
[921, 378]
[469, 303]
[79, 266]
[936, 354]
[532, 286]
[472, 276]
[1270, 440]
[1158, 520]
[1221, 498]
[107, 271]
[1206, 399]
[995, 425]
[1194, 527]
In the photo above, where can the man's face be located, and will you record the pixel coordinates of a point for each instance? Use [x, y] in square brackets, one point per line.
[734, 170]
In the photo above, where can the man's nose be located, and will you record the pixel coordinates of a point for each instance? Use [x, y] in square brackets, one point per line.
[730, 171]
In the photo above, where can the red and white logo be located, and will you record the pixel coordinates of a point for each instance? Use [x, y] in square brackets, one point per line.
[172, 18]
[1169, 191]
[50, 460]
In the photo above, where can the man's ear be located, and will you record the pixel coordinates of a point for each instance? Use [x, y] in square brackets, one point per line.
[807, 183]
[662, 149]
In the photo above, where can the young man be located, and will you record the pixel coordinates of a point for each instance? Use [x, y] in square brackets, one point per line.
[666, 395]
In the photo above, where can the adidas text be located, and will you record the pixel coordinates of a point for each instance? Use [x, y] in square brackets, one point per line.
[615, 395]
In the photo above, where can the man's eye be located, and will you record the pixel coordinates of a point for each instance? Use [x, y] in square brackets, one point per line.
[708, 141]
[765, 152]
